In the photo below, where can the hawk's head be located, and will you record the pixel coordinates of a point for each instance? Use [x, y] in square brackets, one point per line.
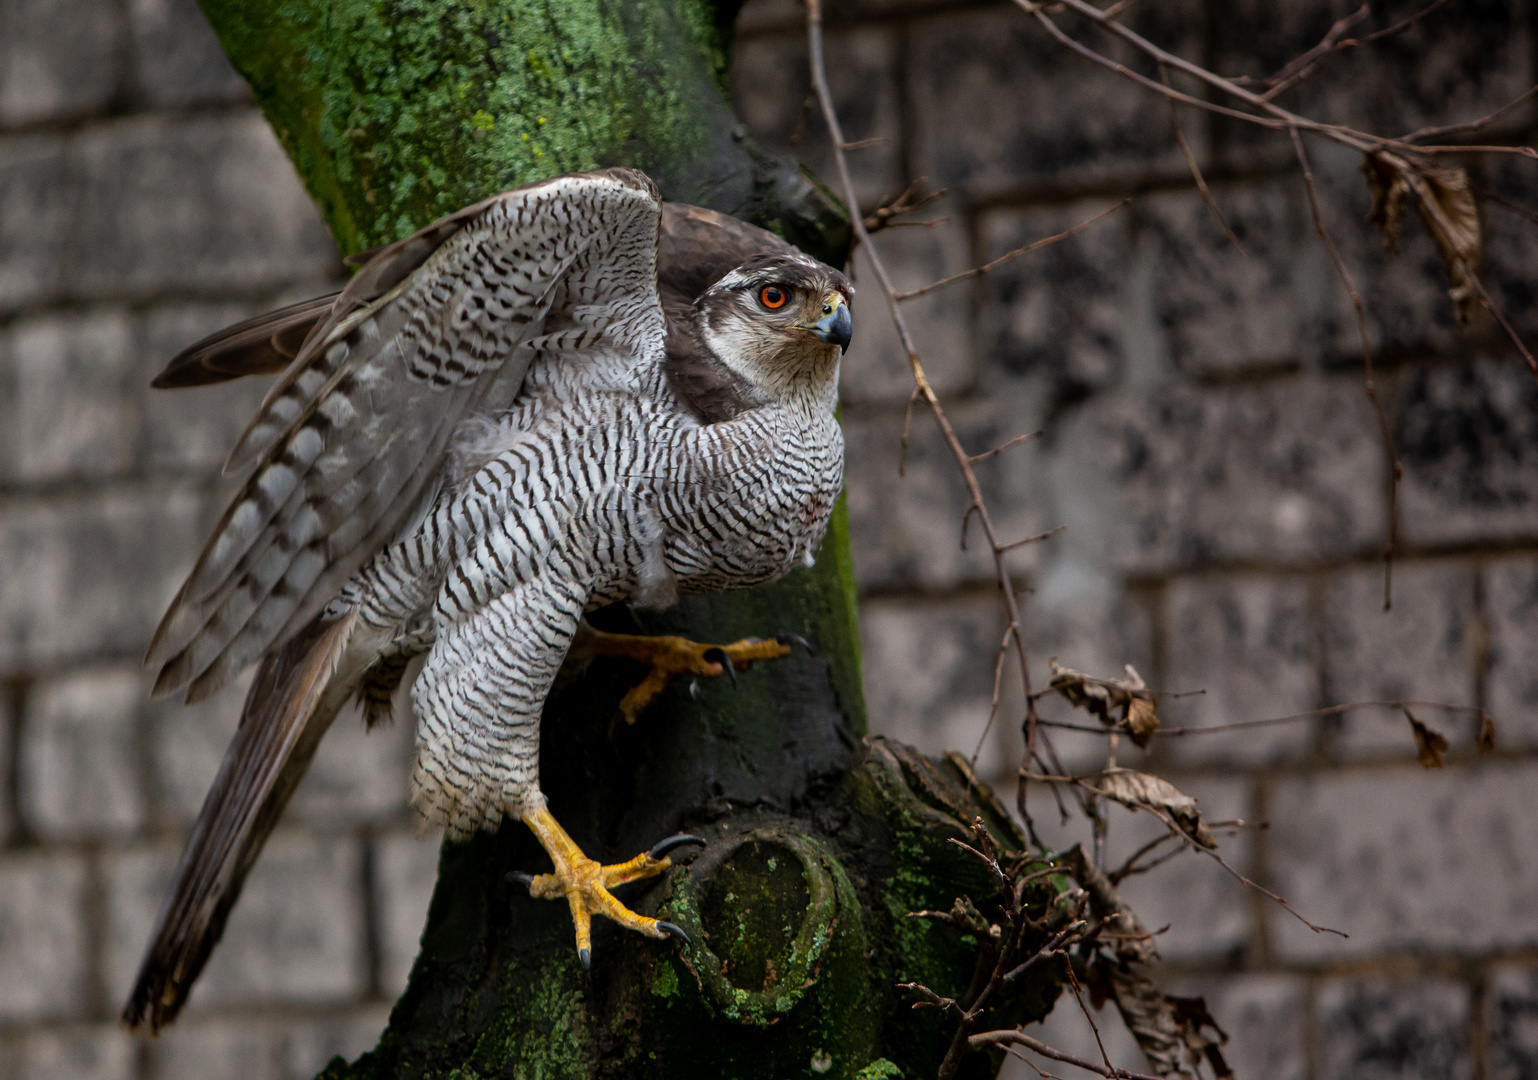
[778, 320]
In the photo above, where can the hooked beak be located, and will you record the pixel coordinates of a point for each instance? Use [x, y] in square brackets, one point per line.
[835, 327]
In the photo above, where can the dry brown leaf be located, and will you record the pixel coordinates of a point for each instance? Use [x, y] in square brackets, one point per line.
[1430, 746]
[1192, 1016]
[1142, 719]
[1151, 1018]
[1486, 740]
[1098, 697]
[1139, 789]
[1390, 195]
[1447, 209]
[1450, 214]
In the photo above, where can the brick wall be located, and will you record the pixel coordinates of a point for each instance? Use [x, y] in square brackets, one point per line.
[1208, 446]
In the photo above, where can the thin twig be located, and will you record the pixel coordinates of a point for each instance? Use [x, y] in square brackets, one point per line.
[1241, 725]
[1196, 169]
[1472, 125]
[922, 387]
[1036, 1046]
[1301, 67]
[998, 679]
[1034, 539]
[997, 450]
[977, 271]
[1396, 471]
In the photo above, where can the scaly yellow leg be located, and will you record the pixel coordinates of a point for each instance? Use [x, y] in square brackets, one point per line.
[585, 884]
[671, 656]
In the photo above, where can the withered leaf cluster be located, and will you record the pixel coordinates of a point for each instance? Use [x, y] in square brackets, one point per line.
[1171, 1031]
[1126, 701]
[1431, 745]
[1447, 209]
[1140, 790]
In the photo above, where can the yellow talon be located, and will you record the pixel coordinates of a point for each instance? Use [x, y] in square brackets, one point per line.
[671, 657]
[585, 884]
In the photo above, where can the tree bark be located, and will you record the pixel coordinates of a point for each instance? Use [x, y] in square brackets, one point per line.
[396, 112]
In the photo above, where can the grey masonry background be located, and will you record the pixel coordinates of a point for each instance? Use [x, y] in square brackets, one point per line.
[1207, 444]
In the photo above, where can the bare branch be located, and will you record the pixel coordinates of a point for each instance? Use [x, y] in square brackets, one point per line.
[977, 271]
[1301, 67]
[1396, 471]
[922, 388]
[997, 450]
[1034, 539]
[1036, 1046]
[1473, 125]
[1196, 171]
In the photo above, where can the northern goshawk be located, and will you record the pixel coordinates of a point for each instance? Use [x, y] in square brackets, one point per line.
[567, 395]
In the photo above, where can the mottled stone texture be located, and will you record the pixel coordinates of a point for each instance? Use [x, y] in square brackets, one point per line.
[1207, 443]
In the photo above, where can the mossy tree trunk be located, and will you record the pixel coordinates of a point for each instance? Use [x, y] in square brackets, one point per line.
[396, 112]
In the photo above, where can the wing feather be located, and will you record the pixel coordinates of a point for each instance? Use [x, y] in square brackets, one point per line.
[353, 435]
[264, 345]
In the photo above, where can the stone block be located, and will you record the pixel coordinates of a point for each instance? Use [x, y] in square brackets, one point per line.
[175, 59]
[1510, 240]
[1447, 68]
[79, 755]
[771, 89]
[43, 949]
[1226, 309]
[90, 575]
[1380, 1029]
[1467, 435]
[191, 430]
[1248, 643]
[202, 205]
[1405, 861]
[1511, 681]
[34, 208]
[304, 1048]
[1079, 617]
[907, 527]
[99, 1052]
[59, 59]
[1422, 650]
[929, 668]
[405, 871]
[67, 408]
[1286, 471]
[998, 104]
[1066, 1029]
[358, 776]
[197, 1050]
[1060, 315]
[296, 936]
[186, 744]
[1511, 1024]
[1265, 1016]
[876, 370]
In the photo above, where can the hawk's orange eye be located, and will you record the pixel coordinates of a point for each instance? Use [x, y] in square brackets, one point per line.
[772, 297]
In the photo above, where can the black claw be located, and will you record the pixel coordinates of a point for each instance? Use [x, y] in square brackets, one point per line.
[662, 847]
[717, 655]
[521, 878]
[795, 639]
[676, 931]
[587, 959]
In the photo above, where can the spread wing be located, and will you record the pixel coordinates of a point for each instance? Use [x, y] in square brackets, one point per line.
[351, 439]
[697, 247]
